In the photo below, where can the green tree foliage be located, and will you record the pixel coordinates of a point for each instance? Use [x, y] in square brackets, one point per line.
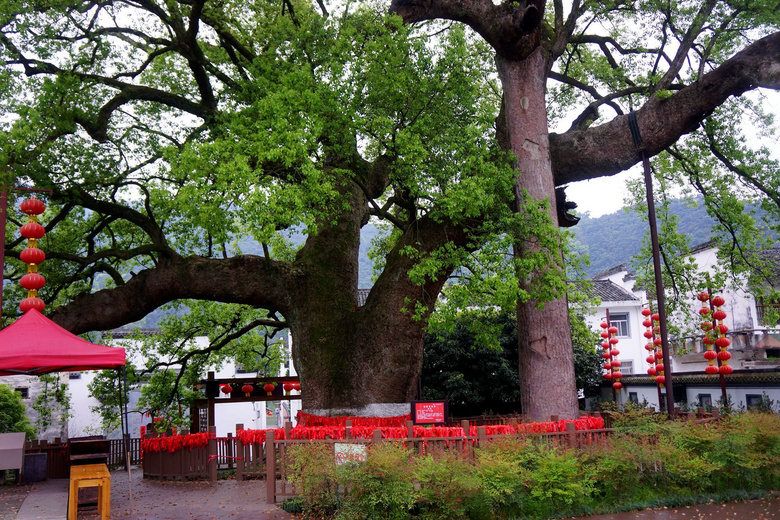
[13, 415]
[170, 132]
[475, 365]
[52, 404]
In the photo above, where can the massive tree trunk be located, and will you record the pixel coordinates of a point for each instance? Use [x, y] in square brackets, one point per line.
[544, 335]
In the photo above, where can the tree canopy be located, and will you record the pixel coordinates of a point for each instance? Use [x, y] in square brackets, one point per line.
[170, 131]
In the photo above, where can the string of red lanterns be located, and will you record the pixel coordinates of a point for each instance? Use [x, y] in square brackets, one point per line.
[715, 334]
[610, 354]
[652, 323]
[31, 255]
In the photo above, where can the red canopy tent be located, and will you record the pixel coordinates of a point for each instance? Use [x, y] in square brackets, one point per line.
[35, 345]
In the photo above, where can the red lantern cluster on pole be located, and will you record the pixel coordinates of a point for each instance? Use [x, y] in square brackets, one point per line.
[715, 334]
[655, 355]
[32, 256]
[610, 354]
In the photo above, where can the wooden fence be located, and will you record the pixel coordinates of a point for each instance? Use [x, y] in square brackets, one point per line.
[58, 454]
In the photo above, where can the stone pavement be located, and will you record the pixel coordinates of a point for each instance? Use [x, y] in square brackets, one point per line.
[151, 500]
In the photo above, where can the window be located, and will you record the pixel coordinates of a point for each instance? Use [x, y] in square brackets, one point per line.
[620, 320]
[24, 391]
[74, 375]
[754, 401]
[633, 397]
[705, 400]
[627, 367]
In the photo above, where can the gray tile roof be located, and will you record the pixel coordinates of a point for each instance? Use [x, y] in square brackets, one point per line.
[361, 296]
[608, 291]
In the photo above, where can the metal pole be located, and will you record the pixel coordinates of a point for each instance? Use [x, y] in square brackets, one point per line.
[3, 207]
[659, 287]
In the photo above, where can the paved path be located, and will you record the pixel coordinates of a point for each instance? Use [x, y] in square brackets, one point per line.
[764, 509]
[151, 500]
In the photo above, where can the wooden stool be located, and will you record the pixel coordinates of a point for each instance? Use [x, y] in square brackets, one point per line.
[90, 475]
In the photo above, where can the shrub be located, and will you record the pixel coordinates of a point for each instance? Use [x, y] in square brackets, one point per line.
[381, 487]
[449, 488]
[312, 469]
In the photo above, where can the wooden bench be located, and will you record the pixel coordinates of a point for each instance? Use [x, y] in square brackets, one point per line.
[90, 475]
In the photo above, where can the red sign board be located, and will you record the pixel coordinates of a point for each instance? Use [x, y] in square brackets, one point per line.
[429, 412]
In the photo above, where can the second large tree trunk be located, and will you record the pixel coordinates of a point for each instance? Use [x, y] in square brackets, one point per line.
[547, 381]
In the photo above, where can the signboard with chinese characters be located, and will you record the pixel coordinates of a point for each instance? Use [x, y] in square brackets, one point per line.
[430, 412]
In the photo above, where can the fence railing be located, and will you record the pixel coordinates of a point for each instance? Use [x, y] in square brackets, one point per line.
[58, 454]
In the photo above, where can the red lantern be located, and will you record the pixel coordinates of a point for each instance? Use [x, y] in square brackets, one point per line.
[297, 386]
[711, 369]
[617, 385]
[615, 352]
[723, 329]
[719, 315]
[613, 330]
[726, 369]
[656, 316]
[659, 367]
[702, 296]
[659, 354]
[604, 324]
[650, 359]
[704, 311]
[32, 255]
[605, 344]
[605, 335]
[608, 375]
[269, 388]
[723, 342]
[607, 366]
[616, 363]
[617, 374]
[247, 389]
[657, 342]
[288, 386]
[724, 355]
[32, 230]
[605, 355]
[32, 303]
[706, 326]
[226, 389]
[652, 371]
[717, 301]
[32, 206]
[647, 323]
[614, 341]
[32, 281]
[710, 355]
[648, 334]
[660, 380]
[708, 340]
[646, 312]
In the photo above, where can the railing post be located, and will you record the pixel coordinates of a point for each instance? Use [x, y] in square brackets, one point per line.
[229, 450]
[239, 454]
[377, 435]
[571, 432]
[410, 435]
[347, 429]
[270, 468]
[212, 455]
[481, 436]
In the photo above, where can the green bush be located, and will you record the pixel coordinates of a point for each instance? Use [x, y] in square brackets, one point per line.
[380, 488]
[647, 462]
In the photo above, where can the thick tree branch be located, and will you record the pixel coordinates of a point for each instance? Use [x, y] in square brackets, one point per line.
[511, 28]
[608, 149]
[262, 283]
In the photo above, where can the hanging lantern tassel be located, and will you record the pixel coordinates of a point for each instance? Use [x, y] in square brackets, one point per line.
[32, 256]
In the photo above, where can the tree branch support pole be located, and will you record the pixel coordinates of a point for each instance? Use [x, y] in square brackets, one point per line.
[659, 287]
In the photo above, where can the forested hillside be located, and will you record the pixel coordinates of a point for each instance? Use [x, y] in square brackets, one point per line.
[613, 239]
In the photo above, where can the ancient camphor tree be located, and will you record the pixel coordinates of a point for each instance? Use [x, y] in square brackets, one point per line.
[169, 131]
